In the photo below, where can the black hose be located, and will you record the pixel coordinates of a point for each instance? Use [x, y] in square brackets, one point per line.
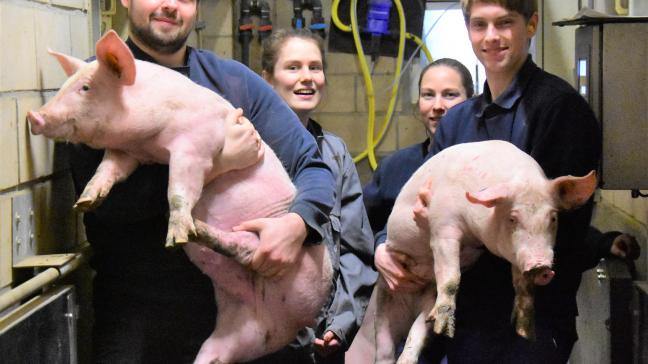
[250, 8]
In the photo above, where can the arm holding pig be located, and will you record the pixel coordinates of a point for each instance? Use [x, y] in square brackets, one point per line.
[624, 246]
[379, 197]
[282, 237]
[611, 244]
[394, 267]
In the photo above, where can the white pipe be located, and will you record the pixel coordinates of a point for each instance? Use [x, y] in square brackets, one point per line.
[37, 282]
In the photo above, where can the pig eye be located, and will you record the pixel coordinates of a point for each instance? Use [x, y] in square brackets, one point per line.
[85, 87]
[513, 220]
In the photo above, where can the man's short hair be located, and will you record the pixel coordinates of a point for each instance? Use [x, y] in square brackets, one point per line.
[525, 7]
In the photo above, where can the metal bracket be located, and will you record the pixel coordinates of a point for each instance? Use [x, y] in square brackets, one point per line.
[22, 221]
[49, 260]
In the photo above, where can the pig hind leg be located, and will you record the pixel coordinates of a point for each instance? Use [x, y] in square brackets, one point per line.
[394, 315]
[420, 330]
[237, 337]
[239, 245]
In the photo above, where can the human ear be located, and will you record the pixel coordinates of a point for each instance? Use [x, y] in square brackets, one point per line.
[532, 25]
[267, 76]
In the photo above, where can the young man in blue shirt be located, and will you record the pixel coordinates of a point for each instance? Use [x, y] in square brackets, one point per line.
[153, 305]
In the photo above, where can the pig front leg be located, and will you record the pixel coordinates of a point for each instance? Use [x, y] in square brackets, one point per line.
[523, 311]
[446, 249]
[187, 171]
[115, 167]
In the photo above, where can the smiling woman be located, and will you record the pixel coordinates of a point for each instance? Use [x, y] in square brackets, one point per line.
[293, 63]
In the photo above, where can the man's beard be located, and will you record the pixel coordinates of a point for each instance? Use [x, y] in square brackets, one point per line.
[146, 35]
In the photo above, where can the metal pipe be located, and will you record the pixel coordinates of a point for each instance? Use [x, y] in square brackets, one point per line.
[318, 24]
[37, 282]
[250, 8]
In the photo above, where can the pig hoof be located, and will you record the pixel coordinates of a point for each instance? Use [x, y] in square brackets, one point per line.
[172, 243]
[173, 239]
[444, 322]
[525, 330]
[85, 204]
[181, 228]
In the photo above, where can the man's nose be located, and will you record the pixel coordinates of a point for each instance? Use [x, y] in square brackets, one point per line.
[170, 4]
[492, 32]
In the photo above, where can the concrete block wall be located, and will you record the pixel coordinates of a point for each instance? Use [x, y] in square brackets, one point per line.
[33, 168]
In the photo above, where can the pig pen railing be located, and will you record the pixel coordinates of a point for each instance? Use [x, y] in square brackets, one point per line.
[68, 263]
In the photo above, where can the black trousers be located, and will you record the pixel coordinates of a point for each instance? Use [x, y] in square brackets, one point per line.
[554, 342]
[130, 329]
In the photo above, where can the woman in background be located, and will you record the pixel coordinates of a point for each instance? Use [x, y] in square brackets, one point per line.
[442, 84]
[293, 63]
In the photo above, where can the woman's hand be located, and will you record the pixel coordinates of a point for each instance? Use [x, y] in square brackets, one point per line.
[625, 246]
[281, 242]
[327, 345]
[394, 268]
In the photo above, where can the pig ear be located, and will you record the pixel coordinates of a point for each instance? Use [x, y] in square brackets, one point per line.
[573, 192]
[488, 197]
[70, 64]
[114, 54]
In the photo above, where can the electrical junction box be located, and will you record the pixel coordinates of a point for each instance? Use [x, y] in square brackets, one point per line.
[341, 41]
[612, 75]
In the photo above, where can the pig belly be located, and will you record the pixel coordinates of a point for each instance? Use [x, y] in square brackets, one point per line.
[256, 316]
[260, 316]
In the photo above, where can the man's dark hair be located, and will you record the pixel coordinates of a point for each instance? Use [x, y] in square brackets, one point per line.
[524, 7]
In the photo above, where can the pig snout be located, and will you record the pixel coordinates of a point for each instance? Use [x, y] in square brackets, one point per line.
[36, 122]
[544, 277]
[541, 276]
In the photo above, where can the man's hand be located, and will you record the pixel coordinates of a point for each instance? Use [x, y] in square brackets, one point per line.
[242, 144]
[281, 242]
[625, 246]
[327, 345]
[394, 268]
